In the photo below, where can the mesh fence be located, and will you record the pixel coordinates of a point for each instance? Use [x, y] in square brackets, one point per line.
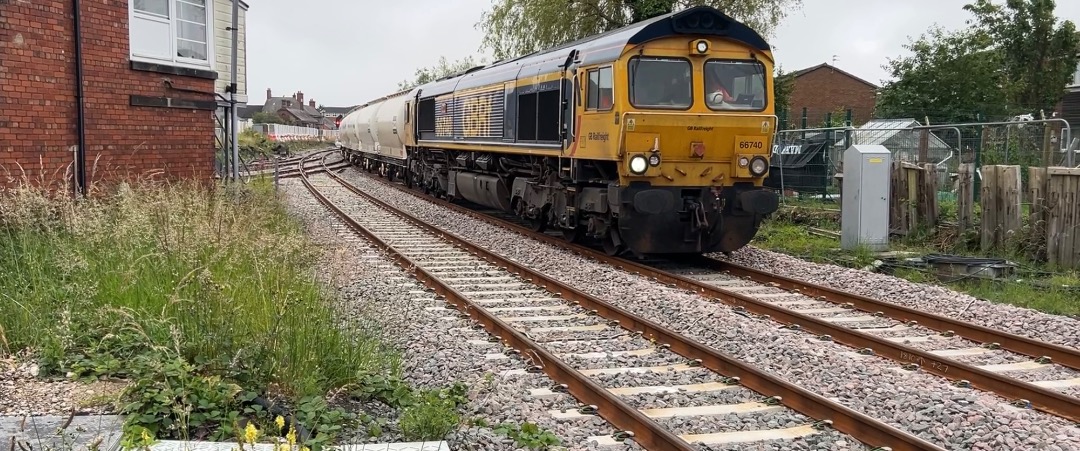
[806, 162]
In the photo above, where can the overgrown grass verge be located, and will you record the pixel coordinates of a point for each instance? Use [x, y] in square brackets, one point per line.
[205, 300]
[1035, 286]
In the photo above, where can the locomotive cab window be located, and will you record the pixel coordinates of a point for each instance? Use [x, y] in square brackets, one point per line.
[660, 82]
[601, 89]
[735, 85]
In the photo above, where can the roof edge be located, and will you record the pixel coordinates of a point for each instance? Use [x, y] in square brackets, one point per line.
[807, 70]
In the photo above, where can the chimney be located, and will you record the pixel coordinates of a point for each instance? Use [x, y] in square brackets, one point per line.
[300, 97]
[268, 94]
[311, 103]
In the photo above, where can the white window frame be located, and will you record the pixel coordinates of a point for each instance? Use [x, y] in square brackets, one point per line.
[179, 61]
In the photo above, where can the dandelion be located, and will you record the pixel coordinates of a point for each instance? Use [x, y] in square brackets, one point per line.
[291, 436]
[280, 422]
[251, 433]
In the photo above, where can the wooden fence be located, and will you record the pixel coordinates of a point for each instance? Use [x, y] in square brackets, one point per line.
[1045, 212]
[1052, 218]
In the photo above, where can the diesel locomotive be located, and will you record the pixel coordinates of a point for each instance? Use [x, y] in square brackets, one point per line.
[654, 138]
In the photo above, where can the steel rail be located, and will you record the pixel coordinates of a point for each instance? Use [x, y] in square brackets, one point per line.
[646, 432]
[1019, 344]
[860, 426]
[1023, 393]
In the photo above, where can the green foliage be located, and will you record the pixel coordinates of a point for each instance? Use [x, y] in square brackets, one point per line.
[1039, 55]
[439, 70]
[517, 27]
[263, 117]
[528, 435]
[783, 85]
[1011, 60]
[187, 292]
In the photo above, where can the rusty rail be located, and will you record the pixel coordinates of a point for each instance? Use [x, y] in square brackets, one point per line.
[646, 432]
[863, 427]
[1022, 345]
[1022, 392]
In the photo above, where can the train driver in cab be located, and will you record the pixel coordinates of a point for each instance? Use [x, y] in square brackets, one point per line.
[717, 96]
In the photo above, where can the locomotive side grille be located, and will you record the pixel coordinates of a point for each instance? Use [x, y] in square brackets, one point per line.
[471, 116]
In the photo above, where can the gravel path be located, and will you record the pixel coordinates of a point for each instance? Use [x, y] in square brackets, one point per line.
[923, 404]
[1058, 329]
[22, 393]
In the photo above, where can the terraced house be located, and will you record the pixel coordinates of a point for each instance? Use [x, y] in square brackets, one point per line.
[103, 90]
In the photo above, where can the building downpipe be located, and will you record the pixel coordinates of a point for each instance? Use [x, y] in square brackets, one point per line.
[80, 150]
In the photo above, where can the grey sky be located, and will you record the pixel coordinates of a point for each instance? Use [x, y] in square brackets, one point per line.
[345, 52]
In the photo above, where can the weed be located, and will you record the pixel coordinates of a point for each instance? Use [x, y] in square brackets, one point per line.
[201, 298]
[528, 435]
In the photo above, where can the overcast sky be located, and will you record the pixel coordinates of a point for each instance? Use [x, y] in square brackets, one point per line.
[346, 52]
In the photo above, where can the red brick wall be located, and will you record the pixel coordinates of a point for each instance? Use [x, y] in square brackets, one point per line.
[38, 109]
[825, 90]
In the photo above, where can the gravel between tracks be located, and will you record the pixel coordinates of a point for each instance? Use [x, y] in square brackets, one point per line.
[434, 353]
[1027, 322]
[921, 403]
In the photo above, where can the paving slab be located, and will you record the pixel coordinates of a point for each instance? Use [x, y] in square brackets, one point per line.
[181, 445]
[41, 432]
[84, 430]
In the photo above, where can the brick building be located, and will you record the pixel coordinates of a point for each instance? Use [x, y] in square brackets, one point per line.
[148, 102]
[825, 89]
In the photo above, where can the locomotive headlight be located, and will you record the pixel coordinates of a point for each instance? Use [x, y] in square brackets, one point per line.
[701, 46]
[758, 166]
[654, 159]
[638, 164]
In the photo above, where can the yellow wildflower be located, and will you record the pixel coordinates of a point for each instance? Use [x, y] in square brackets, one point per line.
[251, 433]
[280, 422]
[304, 448]
[283, 447]
[291, 436]
[146, 437]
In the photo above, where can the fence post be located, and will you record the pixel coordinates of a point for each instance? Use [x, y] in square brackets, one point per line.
[965, 196]
[928, 197]
[1063, 216]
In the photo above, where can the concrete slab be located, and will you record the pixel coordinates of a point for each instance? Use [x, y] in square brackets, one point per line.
[84, 431]
[179, 445]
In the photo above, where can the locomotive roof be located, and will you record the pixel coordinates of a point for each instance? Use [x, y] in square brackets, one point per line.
[602, 48]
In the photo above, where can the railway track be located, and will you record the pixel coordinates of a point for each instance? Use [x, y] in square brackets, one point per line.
[918, 341]
[545, 321]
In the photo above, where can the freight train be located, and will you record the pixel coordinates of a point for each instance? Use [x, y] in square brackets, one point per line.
[654, 138]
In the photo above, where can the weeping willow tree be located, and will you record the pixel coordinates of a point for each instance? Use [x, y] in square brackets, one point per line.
[517, 27]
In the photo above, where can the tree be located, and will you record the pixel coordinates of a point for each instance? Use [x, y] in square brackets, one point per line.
[1010, 60]
[263, 117]
[950, 77]
[783, 85]
[1039, 55]
[518, 27]
[439, 70]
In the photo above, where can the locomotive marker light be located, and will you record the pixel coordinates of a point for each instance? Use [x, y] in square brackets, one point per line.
[743, 162]
[638, 164]
[758, 166]
[701, 46]
[654, 159]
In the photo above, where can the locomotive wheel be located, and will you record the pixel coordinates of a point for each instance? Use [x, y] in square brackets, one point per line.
[610, 247]
[574, 235]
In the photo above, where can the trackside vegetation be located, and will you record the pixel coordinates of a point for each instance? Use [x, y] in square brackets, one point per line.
[204, 301]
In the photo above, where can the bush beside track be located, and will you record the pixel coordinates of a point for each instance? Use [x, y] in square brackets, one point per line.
[203, 303]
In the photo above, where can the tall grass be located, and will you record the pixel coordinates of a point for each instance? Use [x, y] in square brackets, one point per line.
[220, 278]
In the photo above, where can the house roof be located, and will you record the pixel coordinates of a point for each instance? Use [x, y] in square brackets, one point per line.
[802, 72]
[302, 115]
